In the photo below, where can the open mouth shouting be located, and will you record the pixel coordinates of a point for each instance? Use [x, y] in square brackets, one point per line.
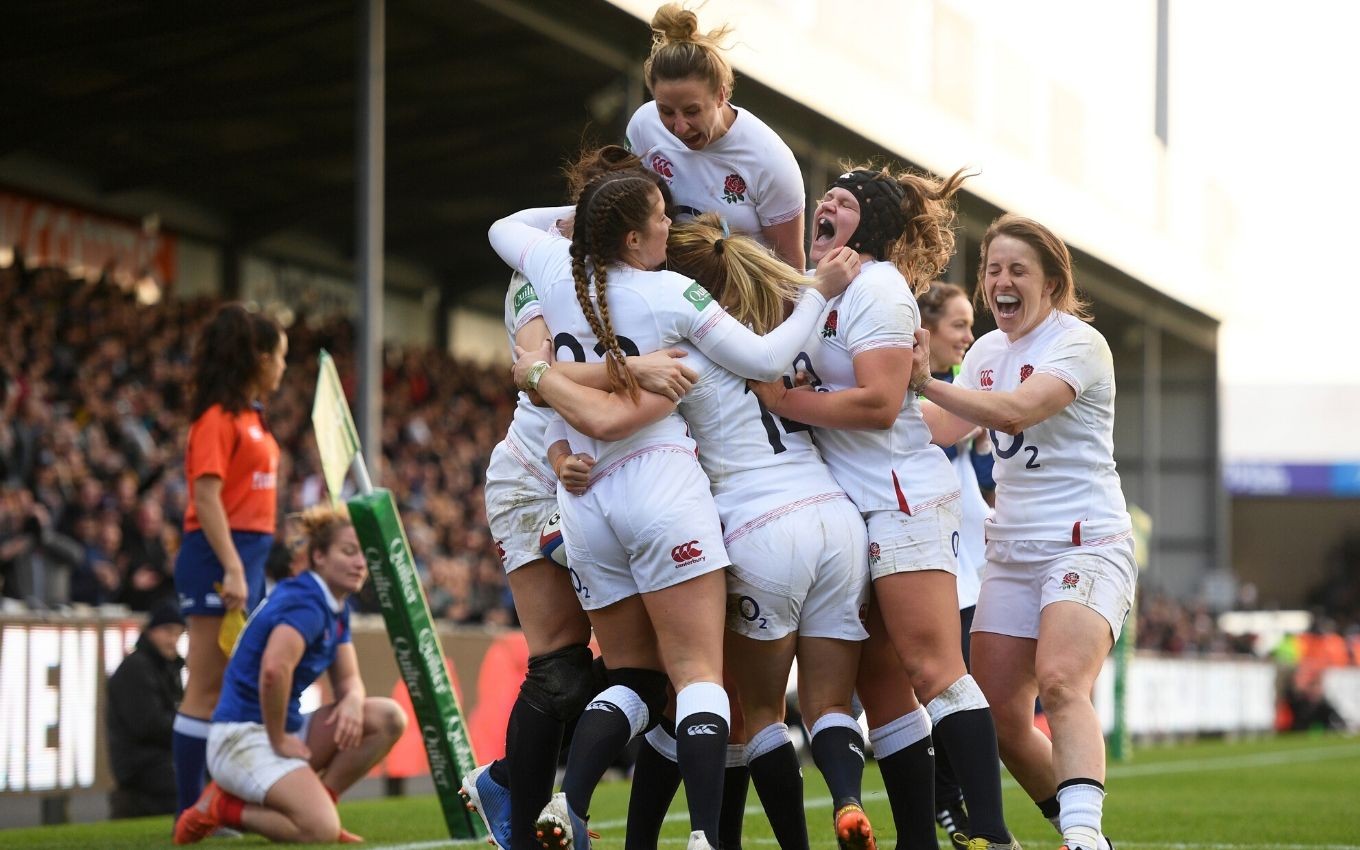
[1007, 306]
[824, 233]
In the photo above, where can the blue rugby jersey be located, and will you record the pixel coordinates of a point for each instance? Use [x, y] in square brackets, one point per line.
[306, 604]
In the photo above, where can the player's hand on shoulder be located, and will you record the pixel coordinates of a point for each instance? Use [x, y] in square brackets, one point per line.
[836, 270]
[661, 372]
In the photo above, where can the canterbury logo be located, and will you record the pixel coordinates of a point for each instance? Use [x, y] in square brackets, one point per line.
[702, 729]
[600, 705]
[857, 751]
[686, 552]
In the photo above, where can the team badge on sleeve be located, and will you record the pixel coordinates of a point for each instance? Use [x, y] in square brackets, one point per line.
[1025, 372]
[698, 296]
[525, 295]
[1070, 580]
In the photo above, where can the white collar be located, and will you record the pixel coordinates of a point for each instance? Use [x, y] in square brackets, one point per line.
[336, 605]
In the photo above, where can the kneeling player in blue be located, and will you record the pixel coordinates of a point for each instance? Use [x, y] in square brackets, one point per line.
[275, 772]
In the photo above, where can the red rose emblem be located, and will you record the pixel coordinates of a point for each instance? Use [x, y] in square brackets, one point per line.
[829, 329]
[1070, 580]
[734, 189]
[1025, 372]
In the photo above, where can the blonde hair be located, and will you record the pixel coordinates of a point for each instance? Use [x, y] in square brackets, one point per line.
[319, 526]
[1054, 259]
[753, 285]
[681, 52]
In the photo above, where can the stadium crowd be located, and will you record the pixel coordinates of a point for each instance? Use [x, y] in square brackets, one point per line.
[93, 421]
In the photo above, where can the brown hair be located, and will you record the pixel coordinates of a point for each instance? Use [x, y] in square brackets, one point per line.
[922, 251]
[933, 299]
[597, 162]
[751, 284]
[594, 163]
[319, 526]
[680, 51]
[609, 207]
[1054, 259]
[227, 358]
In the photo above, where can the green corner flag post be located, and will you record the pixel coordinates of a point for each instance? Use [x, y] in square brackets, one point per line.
[1120, 748]
[415, 641]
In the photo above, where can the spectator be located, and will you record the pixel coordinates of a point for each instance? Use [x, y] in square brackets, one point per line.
[35, 560]
[143, 694]
[93, 417]
[149, 579]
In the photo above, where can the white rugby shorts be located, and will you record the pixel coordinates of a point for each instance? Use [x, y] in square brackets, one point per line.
[646, 525]
[242, 761]
[925, 540]
[801, 570]
[1022, 577]
[518, 503]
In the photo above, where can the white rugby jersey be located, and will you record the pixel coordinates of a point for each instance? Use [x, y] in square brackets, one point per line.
[1056, 480]
[756, 462]
[749, 176]
[529, 422]
[648, 311]
[893, 469]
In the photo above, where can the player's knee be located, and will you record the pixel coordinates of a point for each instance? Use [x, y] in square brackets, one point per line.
[1060, 687]
[385, 717]
[320, 825]
[561, 682]
[649, 685]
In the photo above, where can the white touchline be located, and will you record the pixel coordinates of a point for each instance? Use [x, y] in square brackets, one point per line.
[1116, 772]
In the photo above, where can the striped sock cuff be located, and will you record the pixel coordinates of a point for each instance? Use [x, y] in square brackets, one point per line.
[702, 698]
[192, 727]
[963, 695]
[767, 740]
[626, 700]
[736, 755]
[662, 741]
[897, 735]
[833, 719]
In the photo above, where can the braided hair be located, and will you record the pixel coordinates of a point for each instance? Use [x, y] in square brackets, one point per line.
[609, 207]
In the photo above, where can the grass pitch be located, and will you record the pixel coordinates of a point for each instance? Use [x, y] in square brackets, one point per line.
[1286, 793]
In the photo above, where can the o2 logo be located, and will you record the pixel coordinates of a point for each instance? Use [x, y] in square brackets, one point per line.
[578, 351]
[1017, 444]
[578, 585]
[749, 610]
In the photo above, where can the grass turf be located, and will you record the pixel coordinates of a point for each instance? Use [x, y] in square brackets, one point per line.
[1285, 793]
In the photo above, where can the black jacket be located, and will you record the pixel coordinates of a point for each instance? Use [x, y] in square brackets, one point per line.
[143, 694]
